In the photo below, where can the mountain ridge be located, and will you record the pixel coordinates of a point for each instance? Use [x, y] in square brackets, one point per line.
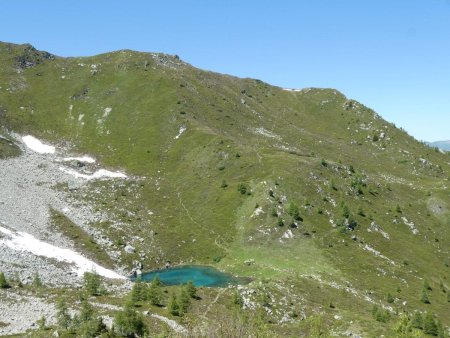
[444, 145]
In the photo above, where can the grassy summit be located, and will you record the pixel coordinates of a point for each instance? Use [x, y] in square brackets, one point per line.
[335, 205]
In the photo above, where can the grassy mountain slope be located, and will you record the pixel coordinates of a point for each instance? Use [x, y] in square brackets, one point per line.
[373, 203]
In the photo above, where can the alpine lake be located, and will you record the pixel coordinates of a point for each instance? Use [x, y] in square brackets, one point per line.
[200, 275]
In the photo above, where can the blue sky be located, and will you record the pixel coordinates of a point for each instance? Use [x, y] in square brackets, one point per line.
[393, 56]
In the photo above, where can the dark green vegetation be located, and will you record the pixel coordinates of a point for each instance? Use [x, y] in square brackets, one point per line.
[7, 147]
[327, 206]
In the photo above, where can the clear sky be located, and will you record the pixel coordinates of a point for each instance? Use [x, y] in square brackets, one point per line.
[392, 55]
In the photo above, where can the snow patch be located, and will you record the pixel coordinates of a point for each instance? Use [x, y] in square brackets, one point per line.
[181, 131]
[37, 146]
[99, 174]
[292, 89]
[83, 159]
[22, 241]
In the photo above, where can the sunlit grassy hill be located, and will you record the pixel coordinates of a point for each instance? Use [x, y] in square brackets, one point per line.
[312, 194]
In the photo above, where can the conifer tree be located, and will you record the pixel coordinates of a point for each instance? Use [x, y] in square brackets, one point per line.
[63, 318]
[183, 301]
[191, 289]
[173, 306]
[429, 324]
[417, 320]
[424, 298]
[3, 281]
[154, 293]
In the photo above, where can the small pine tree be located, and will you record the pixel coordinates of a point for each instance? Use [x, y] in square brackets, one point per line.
[440, 329]
[389, 298]
[3, 281]
[183, 301]
[173, 307]
[86, 311]
[191, 289]
[345, 211]
[274, 212]
[154, 293]
[41, 323]
[37, 282]
[294, 211]
[243, 188]
[157, 281]
[129, 322]
[417, 320]
[92, 283]
[224, 184]
[398, 209]
[91, 328]
[136, 292]
[429, 325]
[237, 299]
[424, 298]
[280, 222]
[63, 318]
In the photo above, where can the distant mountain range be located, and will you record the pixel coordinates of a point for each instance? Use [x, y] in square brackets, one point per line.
[444, 145]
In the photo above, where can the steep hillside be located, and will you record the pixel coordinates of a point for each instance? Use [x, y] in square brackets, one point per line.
[328, 207]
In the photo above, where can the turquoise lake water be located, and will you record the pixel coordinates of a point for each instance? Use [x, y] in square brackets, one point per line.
[199, 275]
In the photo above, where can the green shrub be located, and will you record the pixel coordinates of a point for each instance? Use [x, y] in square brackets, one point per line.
[280, 222]
[294, 212]
[237, 299]
[243, 188]
[3, 281]
[389, 298]
[37, 282]
[274, 212]
[424, 297]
